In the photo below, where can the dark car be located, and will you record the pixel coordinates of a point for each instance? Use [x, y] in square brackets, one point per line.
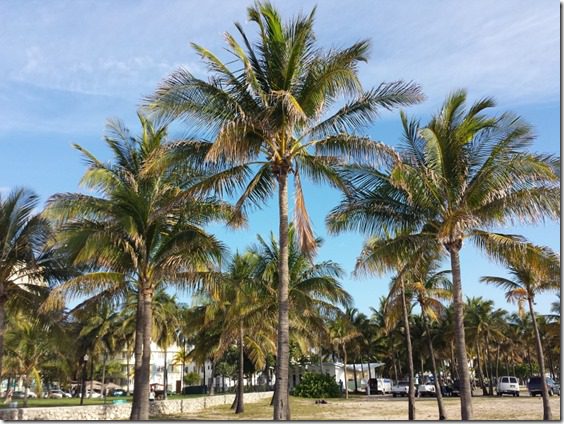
[118, 392]
[535, 386]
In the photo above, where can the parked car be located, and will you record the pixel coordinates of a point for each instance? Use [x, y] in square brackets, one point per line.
[58, 394]
[507, 385]
[91, 395]
[557, 389]
[18, 394]
[380, 385]
[426, 388]
[400, 389]
[118, 392]
[535, 388]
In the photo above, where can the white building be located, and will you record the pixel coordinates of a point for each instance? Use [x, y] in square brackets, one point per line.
[158, 367]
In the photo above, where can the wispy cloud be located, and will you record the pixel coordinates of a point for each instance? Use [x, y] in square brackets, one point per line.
[507, 48]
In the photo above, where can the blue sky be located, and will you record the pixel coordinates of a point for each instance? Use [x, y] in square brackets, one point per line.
[67, 66]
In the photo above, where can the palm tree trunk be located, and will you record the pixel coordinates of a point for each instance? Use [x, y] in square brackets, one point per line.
[490, 363]
[480, 370]
[127, 366]
[211, 385]
[146, 358]
[497, 363]
[345, 371]
[240, 407]
[411, 395]
[165, 375]
[281, 402]
[92, 374]
[438, 388]
[460, 342]
[104, 377]
[547, 413]
[139, 326]
[355, 380]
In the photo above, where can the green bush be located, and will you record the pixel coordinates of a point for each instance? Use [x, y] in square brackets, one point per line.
[314, 385]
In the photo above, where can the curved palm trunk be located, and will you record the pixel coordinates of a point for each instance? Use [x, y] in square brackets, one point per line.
[411, 394]
[547, 413]
[145, 377]
[438, 388]
[139, 325]
[460, 342]
[240, 406]
[281, 401]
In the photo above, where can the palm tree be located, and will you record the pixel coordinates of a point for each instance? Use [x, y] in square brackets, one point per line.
[429, 290]
[484, 323]
[143, 232]
[269, 118]
[166, 323]
[342, 331]
[459, 176]
[535, 271]
[25, 260]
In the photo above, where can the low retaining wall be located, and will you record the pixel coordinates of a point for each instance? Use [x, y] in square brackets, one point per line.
[122, 412]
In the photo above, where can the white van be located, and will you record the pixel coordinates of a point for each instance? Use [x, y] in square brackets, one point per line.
[508, 385]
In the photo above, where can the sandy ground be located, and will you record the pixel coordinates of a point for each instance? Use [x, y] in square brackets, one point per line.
[387, 408]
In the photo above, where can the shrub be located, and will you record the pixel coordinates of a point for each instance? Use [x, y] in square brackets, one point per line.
[313, 385]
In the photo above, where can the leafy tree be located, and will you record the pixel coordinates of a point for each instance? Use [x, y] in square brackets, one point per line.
[275, 115]
[458, 177]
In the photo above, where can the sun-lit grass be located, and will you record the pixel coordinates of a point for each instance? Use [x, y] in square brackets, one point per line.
[361, 408]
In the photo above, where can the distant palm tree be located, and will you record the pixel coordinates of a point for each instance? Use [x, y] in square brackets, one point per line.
[342, 332]
[25, 259]
[430, 288]
[534, 272]
[275, 115]
[143, 232]
[459, 176]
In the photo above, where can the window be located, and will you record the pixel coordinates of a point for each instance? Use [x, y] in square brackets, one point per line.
[513, 380]
[505, 380]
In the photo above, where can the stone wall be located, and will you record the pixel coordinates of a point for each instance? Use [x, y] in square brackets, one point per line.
[122, 411]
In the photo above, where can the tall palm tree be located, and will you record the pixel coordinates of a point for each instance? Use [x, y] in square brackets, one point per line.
[534, 272]
[25, 260]
[142, 232]
[274, 115]
[458, 177]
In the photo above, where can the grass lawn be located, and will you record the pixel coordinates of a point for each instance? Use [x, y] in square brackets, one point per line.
[76, 401]
[361, 408]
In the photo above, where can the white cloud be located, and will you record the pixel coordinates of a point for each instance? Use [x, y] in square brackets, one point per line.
[507, 48]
